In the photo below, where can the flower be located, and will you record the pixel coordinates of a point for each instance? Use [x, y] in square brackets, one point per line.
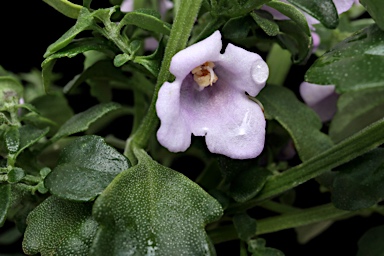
[208, 99]
[321, 98]
[164, 6]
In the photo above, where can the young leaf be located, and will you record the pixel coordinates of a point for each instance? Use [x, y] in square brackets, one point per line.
[324, 10]
[81, 121]
[5, 194]
[371, 243]
[12, 139]
[65, 7]
[151, 209]
[257, 248]
[85, 168]
[266, 23]
[59, 227]
[356, 110]
[355, 63]
[8, 83]
[245, 226]
[358, 184]
[29, 135]
[375, 9]
[304, 125]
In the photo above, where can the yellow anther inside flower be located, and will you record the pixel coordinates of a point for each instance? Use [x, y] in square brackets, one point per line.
[204, 74]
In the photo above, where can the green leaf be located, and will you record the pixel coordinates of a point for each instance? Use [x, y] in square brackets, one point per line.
[59, 227]
[81, 121]
[84, 22]
[356, 110]
[152, 62]
[5, 194]
[29, 135]
[12, 139]
[248, 183]
[375, 9]
[257, 248]
[358, 184]
[146, 209]
[85, 168]
[65, 7]
[355, 63]
[324, 11]
[15, 175]
[73, 49]
[266, 23]
[303, 126]
[146, 19]
[371, 243]
[8, 83]
[245, 226]
[236, 28]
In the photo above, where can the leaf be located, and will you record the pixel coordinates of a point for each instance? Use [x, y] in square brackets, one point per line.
[85, 168]
[245, 226]
[248, 183]
[65, 7]
[355, 63]
[266, 23]
[12, 139]
[375, 9]
[73, 49]
[152, 62]
[151, 209]
[257, 248]
[371, 243]
[5, 194]
[356, 110]
[303, 126]
[81, 121]
[29, 135]
[358, 183]
[8, 83]
[59, 227]
[324, 11]
[236, 28]
[15, 175]
[146, 19]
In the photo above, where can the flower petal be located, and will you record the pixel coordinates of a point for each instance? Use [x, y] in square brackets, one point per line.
[246, 70]
[195, 55]
[126, 6]
[174, 133]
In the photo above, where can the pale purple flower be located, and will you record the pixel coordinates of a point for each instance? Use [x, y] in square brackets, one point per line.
[164, 6]
[127, 6]
[208, 98]
[321, 98]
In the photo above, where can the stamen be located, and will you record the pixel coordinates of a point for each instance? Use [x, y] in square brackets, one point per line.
[204, 75]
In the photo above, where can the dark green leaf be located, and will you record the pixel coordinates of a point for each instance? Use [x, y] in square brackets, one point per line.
[153, 205]
[12, 139]
[245, 226]
[65, 7]
[375, 9]
[358, 184]
[84, 22]
[248, 183]
[236, 28]
[5, 194]
[152, 62]
[371, 243]
[85, 168]
[266, 23]
[81, 121]
[15, 175]
[324, 11]
[73, 49]
[304, 125]
[29, 135]
[146, 19]
[257, 248]
[355, 63]
[59, 227]
[356, 110]
[8, 83]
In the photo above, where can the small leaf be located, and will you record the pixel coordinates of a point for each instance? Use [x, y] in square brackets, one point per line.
[121, 59]
[146, 19]
[375, 9]
[356, 110]
[8, 83]
[266, 23]
[355, 63]
[371, 243]
[245, 226]
[29, 135]
[12, 139]
[358, 184]
[59, 227]
[15, 175]
[304, 125]
[152, 62]
[5, 194]
[237, 28]
[85, 168]
[324, 10]
[65, 7]
[146, 209]
[81, 121]
[257, 248]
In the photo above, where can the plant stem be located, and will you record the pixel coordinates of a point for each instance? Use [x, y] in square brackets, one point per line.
[180, 32]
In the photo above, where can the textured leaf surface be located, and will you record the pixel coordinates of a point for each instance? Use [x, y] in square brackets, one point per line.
[152, 210]
[355, 63]
[59, 227]
[245, 226]
[5, 193]
[375, 9]
[86, 166]
[29, 135]
[359, 183]
[300, 121]
[81, 121]
[8, 83]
